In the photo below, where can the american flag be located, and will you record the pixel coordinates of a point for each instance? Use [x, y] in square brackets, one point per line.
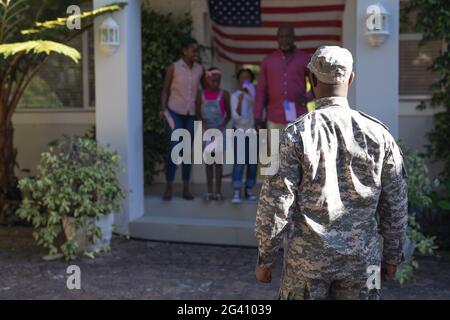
[244, 31]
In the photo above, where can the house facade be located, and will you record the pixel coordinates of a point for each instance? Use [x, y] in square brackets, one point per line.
[108, 94]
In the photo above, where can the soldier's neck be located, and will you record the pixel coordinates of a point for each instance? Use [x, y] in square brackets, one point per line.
[326, 91]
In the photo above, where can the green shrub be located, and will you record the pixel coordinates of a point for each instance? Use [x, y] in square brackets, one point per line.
[76, 178]
[441, 196]
[161, 42]
[419, 197]
[419, 185]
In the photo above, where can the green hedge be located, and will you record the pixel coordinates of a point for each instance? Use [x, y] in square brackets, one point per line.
[161, 42]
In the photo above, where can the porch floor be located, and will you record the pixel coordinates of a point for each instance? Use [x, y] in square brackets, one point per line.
[196, 221]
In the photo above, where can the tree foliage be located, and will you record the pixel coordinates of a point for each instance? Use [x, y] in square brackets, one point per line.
[25, 45]
[39, 47]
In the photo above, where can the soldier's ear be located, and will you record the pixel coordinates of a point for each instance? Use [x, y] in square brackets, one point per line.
[351, 79]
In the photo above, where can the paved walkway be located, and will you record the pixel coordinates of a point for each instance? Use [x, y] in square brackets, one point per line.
[151, 270]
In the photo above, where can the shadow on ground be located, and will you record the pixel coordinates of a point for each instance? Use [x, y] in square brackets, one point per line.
[153, 270]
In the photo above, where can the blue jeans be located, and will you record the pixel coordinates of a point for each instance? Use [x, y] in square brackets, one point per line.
[238, 169]
[181, 122]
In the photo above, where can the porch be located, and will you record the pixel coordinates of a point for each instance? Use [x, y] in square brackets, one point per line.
[197, 221]
[119, 123]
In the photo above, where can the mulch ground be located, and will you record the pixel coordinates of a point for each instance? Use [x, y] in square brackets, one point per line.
[137, 269]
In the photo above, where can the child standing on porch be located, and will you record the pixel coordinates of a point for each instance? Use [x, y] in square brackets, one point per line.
[213, 109]
[242, 101]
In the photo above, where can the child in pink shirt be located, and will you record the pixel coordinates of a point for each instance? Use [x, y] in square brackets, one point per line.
[213, 109]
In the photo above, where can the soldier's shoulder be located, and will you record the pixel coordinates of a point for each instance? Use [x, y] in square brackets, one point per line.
[298, 122]
[365, 115]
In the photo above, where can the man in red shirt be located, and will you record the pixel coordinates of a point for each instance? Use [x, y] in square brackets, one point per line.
[281, 89]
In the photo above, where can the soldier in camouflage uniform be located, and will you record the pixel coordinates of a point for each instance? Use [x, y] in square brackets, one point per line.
[341, 184]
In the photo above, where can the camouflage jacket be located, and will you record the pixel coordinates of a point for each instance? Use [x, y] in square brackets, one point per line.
[341, 182]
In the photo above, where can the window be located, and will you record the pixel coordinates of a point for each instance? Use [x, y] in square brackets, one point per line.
[62, 84]
[415, 76]
[415, 60]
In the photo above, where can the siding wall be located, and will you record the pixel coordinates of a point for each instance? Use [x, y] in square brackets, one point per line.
[34, 130]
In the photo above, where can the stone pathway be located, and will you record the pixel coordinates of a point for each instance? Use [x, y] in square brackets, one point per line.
[153, 270]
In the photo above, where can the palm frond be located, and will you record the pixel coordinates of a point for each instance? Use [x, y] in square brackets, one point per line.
[11, 17]
[62, 22]
[38, 47]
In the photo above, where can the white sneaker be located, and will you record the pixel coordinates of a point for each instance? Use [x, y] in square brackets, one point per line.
[249, 195]
[236, 197]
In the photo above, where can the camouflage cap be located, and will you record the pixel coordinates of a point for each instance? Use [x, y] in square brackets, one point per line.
[331, 64]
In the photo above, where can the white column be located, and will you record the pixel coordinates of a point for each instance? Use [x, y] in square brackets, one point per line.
[375, 90]
[118, 86]
[199, 11]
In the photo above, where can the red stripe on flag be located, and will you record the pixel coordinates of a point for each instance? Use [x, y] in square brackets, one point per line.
[242, 50]
[303, 24]
[263, 37]
[306, 9]
[238, 50]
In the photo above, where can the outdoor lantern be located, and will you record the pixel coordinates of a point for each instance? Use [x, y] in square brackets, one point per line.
[377, 24]
[109, 36]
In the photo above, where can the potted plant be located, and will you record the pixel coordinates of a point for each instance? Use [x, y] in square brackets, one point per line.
[75, 192]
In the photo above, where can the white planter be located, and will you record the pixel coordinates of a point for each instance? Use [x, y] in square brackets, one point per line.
[105, 223]
[81, 235]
